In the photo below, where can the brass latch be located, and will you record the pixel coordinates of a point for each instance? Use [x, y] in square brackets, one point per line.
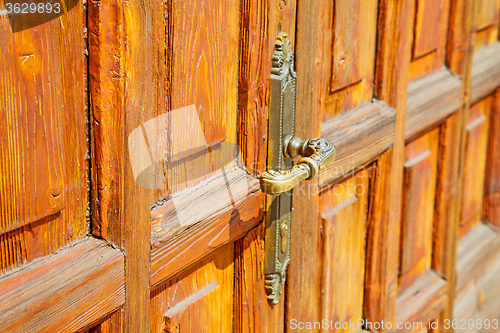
[282, 175]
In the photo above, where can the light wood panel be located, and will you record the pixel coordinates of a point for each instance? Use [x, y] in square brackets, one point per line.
[44, 149]
[348, 65]
[420, 170]
[486, 22]
[429, 36]
[477, 131]
[343, 209]
[199, 299]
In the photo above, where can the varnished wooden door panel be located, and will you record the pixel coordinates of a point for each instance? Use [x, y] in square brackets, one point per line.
[395, 85]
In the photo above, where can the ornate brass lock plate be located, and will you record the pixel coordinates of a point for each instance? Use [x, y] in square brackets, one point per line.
[283, 83]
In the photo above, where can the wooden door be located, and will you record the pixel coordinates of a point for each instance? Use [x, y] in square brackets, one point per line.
[134, 134]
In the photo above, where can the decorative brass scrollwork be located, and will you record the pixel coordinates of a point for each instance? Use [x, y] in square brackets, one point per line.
[282, 174]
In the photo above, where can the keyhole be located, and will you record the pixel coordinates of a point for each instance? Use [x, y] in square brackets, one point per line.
[284, 236]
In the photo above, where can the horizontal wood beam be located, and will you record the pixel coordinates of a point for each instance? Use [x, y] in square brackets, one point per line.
[359, 136]
[485, 72]
[474, 252]
[210, 233]
[424, 300]
[64, 292]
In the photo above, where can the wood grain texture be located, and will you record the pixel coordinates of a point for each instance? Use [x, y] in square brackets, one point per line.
[359, 137]
[422, 302]
[452, 158]
[377, 234]
[474, 252]
[486, 22]
[343, 208]
[228, 224]
[196, 204]
[348, 65]
[477, 134]
[260, 23]
[430, 101]
[485, 72]
[479, 294]
[66, 292]
[460, 30]
[199, 299]
[491, 210]
[445, 217]
[429, 37]
[419, 189]
[43, 146]
[122, 94]
[252, 311]
[391, 86]
[303, 273]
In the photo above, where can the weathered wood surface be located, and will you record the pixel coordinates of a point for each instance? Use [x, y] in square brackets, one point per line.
[491, 212]
[303, 273]
[474, 251]
[123, 94]
[64, 292]
[485, 72]
[343, 209]
[359, 137]
[348, 66]
[43, 145]
[200, 202]
[204, 237]
[252, 311]
[391, 86]
[476, 137]
[486, 23]
[430, 101]
[429, 37]
[422, 302]
[478, 296]
[200, 299]
[420, 173]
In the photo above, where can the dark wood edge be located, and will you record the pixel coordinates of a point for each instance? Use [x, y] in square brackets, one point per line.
[474, 252]
[63, 292]
[430, 101]
[359, 137]
[485, 72]
[424, 300]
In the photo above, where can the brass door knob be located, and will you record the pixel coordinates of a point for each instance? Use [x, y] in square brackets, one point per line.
[315, 153]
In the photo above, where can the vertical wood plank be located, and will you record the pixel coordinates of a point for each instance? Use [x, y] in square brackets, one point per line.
[452, 150]
[304, 274]
[349, 52]
[476, 147]
[343, 210]
[120, 48]
[43, 145]
[261, 21]
[429, 37]
[252, 311]
[391, 86]
[417, 219]
[491, 212]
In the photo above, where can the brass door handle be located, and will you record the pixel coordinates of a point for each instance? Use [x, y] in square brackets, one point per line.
[315, 153]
